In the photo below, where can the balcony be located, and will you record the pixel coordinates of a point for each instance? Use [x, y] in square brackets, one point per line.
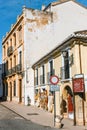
[9, 50]
[9, 72]
[14, 70]
[18, 68]
[64, 73]
[49, 74]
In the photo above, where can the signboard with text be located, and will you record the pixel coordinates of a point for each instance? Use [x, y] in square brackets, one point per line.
[78, 85]
[54, 88]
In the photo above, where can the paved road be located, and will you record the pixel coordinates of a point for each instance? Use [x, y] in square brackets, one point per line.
[11, 121]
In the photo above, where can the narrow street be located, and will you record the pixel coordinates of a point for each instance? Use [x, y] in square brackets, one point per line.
[11, 121]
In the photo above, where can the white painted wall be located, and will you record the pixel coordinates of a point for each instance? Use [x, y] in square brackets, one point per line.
[68, 18]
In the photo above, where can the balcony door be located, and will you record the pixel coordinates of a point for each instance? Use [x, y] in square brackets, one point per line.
[10, 91]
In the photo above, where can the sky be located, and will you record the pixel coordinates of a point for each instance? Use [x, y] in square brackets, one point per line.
[10, 9]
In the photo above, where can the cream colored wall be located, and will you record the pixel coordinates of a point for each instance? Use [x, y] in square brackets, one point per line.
[15, 52]
[75, 68]
[84, 59]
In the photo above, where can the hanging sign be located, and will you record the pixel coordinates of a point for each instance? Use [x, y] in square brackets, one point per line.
[78, 84]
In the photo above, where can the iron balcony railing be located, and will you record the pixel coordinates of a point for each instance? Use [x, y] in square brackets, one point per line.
[18, 68]
[13, 70]
[10, 50]
[64, 72]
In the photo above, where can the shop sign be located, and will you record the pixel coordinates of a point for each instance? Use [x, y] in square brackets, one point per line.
[78, 84]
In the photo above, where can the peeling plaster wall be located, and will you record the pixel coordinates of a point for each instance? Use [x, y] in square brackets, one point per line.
[36, 37]
[43, 35]
[38, 34]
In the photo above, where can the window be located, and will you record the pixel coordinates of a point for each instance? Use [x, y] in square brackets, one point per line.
[20, 34]
[14, 88]
[6, 47]
[4, 51]
[6, 66]
[14, 39]
[51, 71]
[20, 57]
[51, 68]
[36, 79]
[11, 63]
[43, 74]
[14, 60]
[65, 70]
[10, 42]
[66, 65]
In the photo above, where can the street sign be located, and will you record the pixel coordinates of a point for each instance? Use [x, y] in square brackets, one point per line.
[54, 88]
[54, 79]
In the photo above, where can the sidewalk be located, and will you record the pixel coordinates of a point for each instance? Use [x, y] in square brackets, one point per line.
[39, 116]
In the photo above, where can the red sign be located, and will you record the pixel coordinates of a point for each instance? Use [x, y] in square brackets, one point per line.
[78, 85]
[54, 79]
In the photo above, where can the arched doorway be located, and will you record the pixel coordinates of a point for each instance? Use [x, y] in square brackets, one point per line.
[67, 102]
